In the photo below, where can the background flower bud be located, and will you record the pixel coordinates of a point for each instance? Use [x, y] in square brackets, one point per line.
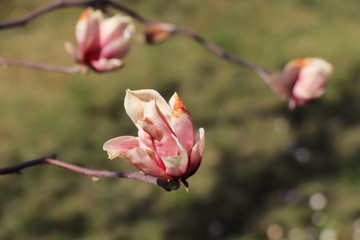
[302, 80]
[101, 42]
[158, 32]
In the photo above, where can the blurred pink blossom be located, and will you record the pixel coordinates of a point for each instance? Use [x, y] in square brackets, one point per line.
[165, 147]
[101, 42]
[302, 80]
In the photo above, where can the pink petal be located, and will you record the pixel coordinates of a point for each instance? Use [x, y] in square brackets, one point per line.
[116, 27]
[115, 33]
[312, 79]
[282, 83]
[135, 102]
[146, 142]
[164, 144]
[153, 113]
[279, 85]
[292, 103]
[140, 159]
[87, 31]
[197, 151]
[181, 123]
[176, 166]
[115, 49]
[291, 71]
[115, 147]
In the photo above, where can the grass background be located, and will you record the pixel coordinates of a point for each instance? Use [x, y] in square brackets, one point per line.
[262, 162]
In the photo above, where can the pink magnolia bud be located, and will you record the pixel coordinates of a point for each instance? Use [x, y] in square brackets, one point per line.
[302, 80]
[165, 147]
[159, 32]
[101, 42]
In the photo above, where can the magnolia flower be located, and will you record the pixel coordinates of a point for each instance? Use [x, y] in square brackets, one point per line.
[165, 147]
[159, 32]
[302, 80]
[101, 42]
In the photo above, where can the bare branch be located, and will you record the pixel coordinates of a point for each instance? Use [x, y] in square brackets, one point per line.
[41, 66]
[64, 4]
[128, 11]
[223, 54]
[48, 8]
[181, 31]
[168, 185]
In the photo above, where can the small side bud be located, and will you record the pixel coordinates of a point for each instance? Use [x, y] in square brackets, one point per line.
[159, 32]
[95, 179]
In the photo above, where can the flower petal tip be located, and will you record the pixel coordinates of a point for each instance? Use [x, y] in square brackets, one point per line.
[186, 184]
[84, 15]
[111, 157]
[111, 153]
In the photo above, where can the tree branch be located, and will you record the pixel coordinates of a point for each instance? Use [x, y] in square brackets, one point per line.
[223, 54]
[168, 185]
[64, 4]
[41, 66]
[128, 11]
[48, 8]
[181, 31]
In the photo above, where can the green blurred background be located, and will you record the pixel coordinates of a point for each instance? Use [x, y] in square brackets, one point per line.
[267, 172]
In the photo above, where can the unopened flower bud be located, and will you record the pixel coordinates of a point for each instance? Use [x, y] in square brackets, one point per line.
[101, 42]
[159, 32]
[166, 146]
[302, 80]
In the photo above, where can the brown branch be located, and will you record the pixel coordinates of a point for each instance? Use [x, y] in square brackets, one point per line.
[168, 185]
[223, 54]
[128, 11]
[41, 66]
[181, 31]
[48, 8]
[64, 4]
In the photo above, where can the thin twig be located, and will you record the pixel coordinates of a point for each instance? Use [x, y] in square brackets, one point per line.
[128, 11]
[181, 31]
[64, 4]
[168, 185]
[223, 54]
[48, 8]
[41, 66]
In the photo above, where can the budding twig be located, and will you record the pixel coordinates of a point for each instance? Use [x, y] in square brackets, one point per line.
[41, 66]
[223, 54]
[48, 8]
[168, 185]
[181, 31]
[64, 4]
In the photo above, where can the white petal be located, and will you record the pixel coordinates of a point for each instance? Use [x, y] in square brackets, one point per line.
[103, 65]
[312, 79]
[140, 159]
[120, 145]
[116, 27]
[135, 102]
